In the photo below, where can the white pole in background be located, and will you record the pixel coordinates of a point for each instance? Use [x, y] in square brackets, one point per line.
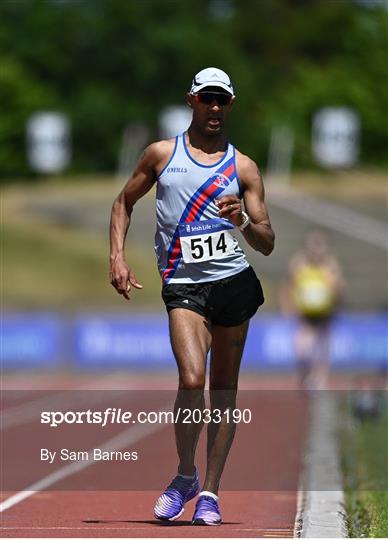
[280, 153]
[134, 139]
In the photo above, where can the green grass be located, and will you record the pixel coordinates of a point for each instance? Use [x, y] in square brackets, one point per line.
[368, 514]
[365, 466]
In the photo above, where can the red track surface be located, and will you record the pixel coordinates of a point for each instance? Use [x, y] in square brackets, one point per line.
[273, 452]
[129, 514]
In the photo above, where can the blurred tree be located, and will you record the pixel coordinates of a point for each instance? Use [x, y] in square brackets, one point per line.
[110, 62]
[21, 94]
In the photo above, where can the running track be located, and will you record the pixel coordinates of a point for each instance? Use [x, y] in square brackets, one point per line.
[267, 458]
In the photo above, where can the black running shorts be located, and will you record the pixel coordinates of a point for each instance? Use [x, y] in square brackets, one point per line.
[224, 302]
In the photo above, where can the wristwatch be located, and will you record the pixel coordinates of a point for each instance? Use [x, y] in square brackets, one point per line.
[246, 221]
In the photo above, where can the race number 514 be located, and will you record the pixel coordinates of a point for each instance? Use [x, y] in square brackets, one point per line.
[207, 247]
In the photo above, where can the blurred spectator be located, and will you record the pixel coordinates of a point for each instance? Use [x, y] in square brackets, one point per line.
[312, 290]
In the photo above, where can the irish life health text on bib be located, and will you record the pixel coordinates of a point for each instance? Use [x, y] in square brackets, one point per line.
[206, 240]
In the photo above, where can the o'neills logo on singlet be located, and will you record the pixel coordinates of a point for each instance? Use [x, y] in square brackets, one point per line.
[220, 180]
[176, 169]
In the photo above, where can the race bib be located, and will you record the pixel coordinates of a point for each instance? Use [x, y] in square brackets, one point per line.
[206, 240]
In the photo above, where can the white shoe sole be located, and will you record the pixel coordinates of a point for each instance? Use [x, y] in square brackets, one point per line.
[171, 518]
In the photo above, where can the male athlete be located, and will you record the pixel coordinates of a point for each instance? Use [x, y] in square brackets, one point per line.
[209, 289]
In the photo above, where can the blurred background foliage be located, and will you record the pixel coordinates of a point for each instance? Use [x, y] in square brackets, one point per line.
[112, 65]
[107, 63]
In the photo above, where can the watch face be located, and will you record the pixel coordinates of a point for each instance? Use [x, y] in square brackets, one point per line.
[246, 220]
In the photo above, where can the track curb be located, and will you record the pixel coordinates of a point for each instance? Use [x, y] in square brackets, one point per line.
[321, 503]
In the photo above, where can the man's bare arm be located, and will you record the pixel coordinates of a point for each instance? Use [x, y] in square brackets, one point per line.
[258, 233]
[143, 178]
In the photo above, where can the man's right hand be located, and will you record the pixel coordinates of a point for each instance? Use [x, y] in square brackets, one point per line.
[122, 277]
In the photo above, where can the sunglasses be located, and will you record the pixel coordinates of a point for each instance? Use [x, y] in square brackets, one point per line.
[208, 97]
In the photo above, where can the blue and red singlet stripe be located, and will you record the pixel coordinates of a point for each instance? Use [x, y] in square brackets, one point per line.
[186, 191]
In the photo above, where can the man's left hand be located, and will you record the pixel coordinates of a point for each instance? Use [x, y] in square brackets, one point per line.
[230, 208]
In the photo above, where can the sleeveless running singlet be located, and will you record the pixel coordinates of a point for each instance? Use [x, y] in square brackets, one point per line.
[192, 243]
[312, 291]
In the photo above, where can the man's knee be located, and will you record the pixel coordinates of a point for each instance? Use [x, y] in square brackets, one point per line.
[191, 381]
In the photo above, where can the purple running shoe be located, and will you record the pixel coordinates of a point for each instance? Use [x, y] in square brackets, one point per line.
[206, 511]
[170, 505]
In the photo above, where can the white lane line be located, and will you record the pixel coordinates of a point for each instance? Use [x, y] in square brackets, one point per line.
[333, 216]
[123, 439]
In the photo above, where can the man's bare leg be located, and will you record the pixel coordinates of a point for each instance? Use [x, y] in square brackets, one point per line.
[190, 340]
[227, 348]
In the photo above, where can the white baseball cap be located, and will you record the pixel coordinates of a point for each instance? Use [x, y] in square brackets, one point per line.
[211, 77]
